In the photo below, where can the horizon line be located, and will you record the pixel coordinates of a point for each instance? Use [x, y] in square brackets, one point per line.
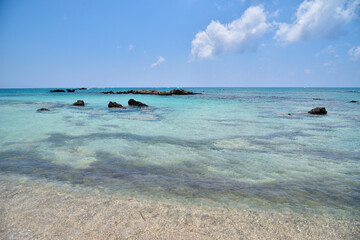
[169, 87]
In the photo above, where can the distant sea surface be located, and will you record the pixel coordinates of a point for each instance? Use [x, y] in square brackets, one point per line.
[234, 147]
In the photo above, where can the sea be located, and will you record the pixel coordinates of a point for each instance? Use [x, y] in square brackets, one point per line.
[242, 148]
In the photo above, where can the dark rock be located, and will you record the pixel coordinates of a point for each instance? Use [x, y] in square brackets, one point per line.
[57, 90]
[79, 103]
[165, 93]
[133, 102]
[181, 92]
[109, 92]
[83, 88]
[125, 92]
[43, 110]
[114, 105]
[318, 111]
[289, 114]
[318, 99]
[70, 90]
[154, 92]
[353, 101]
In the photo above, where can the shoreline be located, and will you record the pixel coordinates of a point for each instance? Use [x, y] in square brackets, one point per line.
[48, 211]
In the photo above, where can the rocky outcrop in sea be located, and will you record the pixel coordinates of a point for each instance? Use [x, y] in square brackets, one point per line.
[154, 92]
[114, 105]
[318, 111]
[79, 103]
[135, 103]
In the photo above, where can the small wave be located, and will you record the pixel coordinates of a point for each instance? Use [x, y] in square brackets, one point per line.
[140, 117]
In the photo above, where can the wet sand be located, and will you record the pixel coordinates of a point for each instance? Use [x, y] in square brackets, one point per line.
[48, 211]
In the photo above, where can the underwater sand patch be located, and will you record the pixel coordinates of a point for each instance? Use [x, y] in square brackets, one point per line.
[239, 144]
[77, 157]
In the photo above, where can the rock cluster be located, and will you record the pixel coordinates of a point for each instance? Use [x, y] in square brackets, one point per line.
[133, 102]
[70, 90]
[154, 92]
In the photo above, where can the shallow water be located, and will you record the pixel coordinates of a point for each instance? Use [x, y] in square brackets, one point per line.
[233, 147]
[33, 209]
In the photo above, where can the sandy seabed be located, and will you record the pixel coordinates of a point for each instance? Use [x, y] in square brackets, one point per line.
[47, 211]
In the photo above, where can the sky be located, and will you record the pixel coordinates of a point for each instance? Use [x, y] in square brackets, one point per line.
[179, 43]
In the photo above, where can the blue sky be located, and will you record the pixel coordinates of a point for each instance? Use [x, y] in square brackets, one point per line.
[179, 43]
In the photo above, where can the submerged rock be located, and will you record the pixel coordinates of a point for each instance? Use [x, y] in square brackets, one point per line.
[79, 103]
[353, 101]
[43, 110]
[133, 102]
[109, 92]
[57, 90]
[70, 90]
[83, 88]
[114, 105]
[318, 111]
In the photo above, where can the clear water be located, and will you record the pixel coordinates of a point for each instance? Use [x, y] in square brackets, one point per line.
[230, 146]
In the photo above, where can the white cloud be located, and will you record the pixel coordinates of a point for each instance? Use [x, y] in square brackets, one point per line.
[308, 71]
[328, 64]
[218, 6]
[131, 47]
[354, 53]
[318, 19]
[329, 50]
[238, 36]
[160, 60]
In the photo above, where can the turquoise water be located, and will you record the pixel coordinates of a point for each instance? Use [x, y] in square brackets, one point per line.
[229, 146]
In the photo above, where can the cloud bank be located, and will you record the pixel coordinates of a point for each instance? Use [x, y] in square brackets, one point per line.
[314, 19]
[160, 60]
[318, 19]
[238, 36]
